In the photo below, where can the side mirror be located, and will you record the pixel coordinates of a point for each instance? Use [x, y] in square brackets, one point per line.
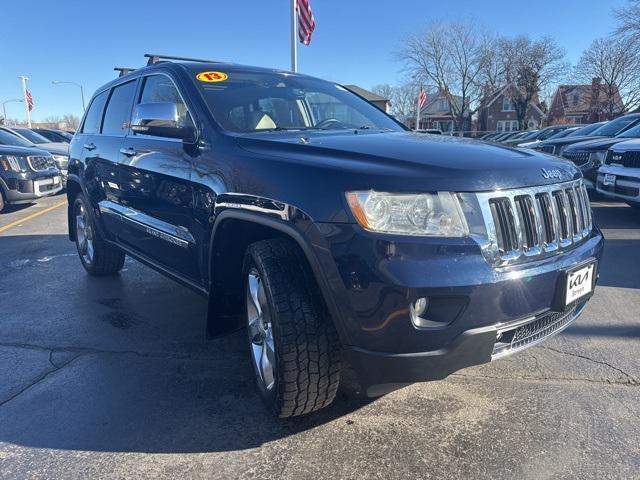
[161, 120]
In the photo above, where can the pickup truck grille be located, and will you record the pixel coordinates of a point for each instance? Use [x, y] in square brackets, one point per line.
[39, 164]
[578, 158]
[532, 223]
[626, 159]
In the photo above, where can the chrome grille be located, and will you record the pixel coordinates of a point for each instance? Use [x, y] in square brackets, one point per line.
[578, 158]
[626, 159]
[39, 164]
[531, 223]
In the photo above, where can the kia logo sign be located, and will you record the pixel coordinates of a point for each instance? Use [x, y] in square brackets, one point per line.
[579, 279]
[551, 173]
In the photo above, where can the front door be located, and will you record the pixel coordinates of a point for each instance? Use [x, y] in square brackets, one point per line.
[157, 196]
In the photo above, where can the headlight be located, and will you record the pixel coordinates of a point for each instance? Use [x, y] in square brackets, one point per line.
[427, 214]
[61, 159]
[597, 158]
[12, 163]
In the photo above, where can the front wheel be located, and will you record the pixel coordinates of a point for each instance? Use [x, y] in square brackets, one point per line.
[294, 347]
[98, 257]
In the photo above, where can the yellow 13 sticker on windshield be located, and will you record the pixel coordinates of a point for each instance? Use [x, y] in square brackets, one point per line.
[212, 76]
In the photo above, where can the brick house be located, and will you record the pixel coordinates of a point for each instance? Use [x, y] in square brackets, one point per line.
[583, 104]
[382, 103]
[497, 113]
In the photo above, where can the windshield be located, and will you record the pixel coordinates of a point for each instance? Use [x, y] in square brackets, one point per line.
[530, 134]
[633, 132]
[260, 102]
[614, 127]
[587, 130]
[7, 138]
[33, 137]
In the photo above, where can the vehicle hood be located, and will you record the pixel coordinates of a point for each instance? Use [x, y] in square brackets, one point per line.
[595, 145]
[406, 161]
[561, 142]
[22, 151]
[56, 148]
[631, 144]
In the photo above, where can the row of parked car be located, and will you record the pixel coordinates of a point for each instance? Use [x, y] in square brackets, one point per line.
[33, 163]
[607, 153]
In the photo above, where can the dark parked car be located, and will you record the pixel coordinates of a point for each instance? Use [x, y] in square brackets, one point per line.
[26, 174]
[58, 136]
[589, 132]
[589, 155]
[328, 230]
[59, 151]
[540, 135]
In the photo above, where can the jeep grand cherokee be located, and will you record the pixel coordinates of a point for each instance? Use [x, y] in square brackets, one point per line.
[324, 226]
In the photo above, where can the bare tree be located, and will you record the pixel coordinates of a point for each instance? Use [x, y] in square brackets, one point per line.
[453, 56]
[71, 120]
[532, 66]
[617, 70]
[628, 19]
[403, 98]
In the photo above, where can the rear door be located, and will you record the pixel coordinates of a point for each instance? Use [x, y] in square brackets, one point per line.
[103, 153]
[156, 189]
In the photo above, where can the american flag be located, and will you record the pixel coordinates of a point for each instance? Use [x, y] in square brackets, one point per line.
[306, 22]
[422, 99]
[29, 99]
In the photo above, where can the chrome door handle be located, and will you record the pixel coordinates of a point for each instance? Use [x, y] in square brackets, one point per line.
[89, 146]
[129, 152]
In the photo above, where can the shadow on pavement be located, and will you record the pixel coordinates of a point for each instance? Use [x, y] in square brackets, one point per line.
[153, 385]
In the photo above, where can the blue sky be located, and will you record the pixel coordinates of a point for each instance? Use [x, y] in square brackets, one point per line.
[353, 43]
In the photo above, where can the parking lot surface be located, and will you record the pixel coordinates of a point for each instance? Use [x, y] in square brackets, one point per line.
[112, 378]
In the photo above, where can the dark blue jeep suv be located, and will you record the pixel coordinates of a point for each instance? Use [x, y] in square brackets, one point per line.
[336, 236]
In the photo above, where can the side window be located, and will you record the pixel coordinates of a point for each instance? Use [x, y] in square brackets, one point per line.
[159, 89]
[94, 114]
[118, 113]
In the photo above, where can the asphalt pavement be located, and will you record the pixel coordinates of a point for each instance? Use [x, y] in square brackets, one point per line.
[112, 378]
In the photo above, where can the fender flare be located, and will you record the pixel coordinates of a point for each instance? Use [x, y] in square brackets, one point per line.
[297, 236]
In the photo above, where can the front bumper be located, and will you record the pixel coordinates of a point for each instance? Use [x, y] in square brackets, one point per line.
[382, 276]
[25, 187]
[627, 183]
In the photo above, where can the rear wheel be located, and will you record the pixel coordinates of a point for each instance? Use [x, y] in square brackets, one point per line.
[98, 257]
[1, 200]
[294, 347]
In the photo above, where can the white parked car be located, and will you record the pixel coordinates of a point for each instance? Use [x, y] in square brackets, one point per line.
[619, 176]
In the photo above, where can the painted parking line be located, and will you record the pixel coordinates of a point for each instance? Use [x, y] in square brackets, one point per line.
[32, 216]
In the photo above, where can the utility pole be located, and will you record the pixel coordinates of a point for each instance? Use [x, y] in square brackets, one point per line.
[58, 82]
[24, 96]
[4, 108]
[294, 36]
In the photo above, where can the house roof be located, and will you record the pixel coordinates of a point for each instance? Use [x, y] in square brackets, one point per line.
[501, 91]
[585, 100]
[366, 94]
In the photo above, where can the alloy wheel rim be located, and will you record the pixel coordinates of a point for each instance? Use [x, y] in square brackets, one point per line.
[84, 235]
[260, 329]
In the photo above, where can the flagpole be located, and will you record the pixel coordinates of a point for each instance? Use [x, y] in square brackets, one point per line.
[294, 37]
[418, 110]
[24, 96]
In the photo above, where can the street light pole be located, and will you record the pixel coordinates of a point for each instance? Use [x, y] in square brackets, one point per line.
[57, 82]
[24, 95]
[4, 107]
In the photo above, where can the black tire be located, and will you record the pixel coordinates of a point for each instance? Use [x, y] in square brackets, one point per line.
[105, 259]
[307, 348]
[2, 204]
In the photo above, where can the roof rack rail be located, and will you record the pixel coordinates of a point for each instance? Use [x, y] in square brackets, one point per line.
[155, 58]
[123, 70]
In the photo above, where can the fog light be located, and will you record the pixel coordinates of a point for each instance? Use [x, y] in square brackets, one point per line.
[420, 306]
